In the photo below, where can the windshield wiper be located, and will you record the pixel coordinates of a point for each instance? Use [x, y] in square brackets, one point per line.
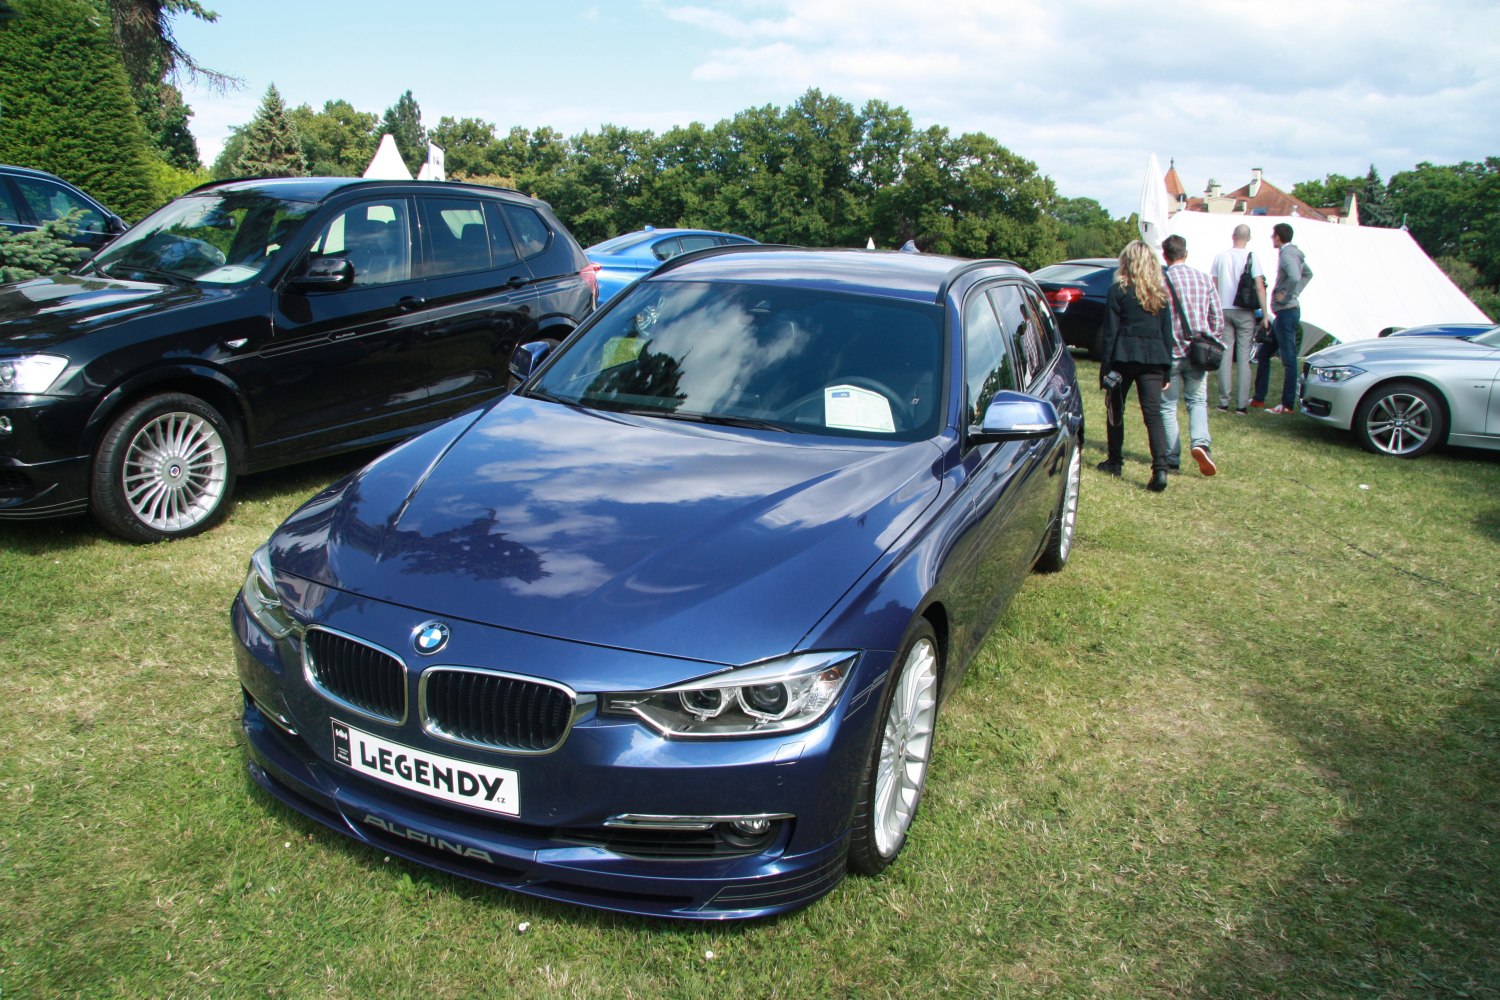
[162, 275]
[692, 418]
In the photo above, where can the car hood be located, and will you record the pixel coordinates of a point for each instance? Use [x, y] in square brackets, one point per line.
[46, 311]
[1400, 351]
[634, 533]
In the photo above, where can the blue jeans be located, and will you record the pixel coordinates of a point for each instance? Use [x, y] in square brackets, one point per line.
[1185, 383]
[1284, 326]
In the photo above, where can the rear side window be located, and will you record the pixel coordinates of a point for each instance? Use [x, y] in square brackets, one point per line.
[502, 247]
[1023, 330]
[530, 229]
[8, 211]
[1047, 324]
[458, 239]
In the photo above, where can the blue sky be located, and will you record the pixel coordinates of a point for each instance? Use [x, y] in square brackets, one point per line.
[1086, 89]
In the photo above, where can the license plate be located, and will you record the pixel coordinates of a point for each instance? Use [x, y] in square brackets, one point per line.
[493, 789]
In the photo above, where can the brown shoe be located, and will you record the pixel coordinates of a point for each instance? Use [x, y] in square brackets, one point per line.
[1205, 460]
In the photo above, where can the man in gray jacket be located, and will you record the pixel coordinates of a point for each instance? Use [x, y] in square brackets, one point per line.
[1292, 275]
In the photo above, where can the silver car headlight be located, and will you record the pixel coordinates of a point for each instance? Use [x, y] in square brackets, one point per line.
[775, 696]
[261, 598]
[30, 373]
[1340, 373]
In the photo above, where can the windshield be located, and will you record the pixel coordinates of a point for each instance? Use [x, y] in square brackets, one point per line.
[759, 355]
[209, 239]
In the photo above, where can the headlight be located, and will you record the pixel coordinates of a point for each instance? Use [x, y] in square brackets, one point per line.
[32, 373]
[261, 598]
[1342, 373]
[776, 696]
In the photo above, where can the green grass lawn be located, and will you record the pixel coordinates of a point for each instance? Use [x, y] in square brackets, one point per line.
[1246, 745]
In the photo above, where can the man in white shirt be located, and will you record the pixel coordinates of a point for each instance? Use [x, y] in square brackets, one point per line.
[1240, 322]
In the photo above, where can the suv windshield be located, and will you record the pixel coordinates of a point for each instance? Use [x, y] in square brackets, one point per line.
[211, 239]
[759, 355]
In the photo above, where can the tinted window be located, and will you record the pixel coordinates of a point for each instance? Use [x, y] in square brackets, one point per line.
[1070, 272]
[1047, 323]
[8, 211]
[458, 238]
[530, 229]
[987, 362]
[375, 237]
[698, 243]
[502, 249]
[53, 201]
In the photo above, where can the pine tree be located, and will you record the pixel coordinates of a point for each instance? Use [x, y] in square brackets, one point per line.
[272, 146]
[65, 105]
[403, 120]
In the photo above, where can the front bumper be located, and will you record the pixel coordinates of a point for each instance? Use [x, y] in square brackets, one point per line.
[42, 473]
[566, 844]
[1331, 403]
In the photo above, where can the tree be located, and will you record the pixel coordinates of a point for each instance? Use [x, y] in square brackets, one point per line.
[1087, 230]
[272, 146]
[337, 141]
[65, 104]
[1331, 190]
[403, 122]
[470, 147]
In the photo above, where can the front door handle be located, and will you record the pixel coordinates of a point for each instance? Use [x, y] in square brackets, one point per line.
[409, 302]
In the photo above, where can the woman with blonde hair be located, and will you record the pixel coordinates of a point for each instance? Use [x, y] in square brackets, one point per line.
[1137, 350]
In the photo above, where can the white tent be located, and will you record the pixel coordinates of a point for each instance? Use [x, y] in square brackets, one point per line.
[1364, 278]
[387, 164]
[434, 169]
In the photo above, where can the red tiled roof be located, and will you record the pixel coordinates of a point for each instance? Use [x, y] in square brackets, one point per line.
[1271, 200]
[1174, 183]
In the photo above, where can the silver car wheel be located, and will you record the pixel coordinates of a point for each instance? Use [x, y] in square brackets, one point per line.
[1399, 423]
[174, 471]
[905, 747]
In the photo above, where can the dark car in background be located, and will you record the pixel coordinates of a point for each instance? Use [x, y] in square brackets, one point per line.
[621, 260]
[666, 629]
[254, 324]
[1076, 290]
[29, 198]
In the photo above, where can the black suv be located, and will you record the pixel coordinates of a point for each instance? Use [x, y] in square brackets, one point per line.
[254, 324]
[29, 198]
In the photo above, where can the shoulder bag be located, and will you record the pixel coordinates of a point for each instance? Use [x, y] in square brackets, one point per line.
[1204, 352]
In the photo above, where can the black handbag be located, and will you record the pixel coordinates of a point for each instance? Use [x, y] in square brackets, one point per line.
[1244, 295]
[1204, 352]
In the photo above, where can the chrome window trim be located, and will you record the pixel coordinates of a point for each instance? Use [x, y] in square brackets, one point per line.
[583, 705]
[316, 685]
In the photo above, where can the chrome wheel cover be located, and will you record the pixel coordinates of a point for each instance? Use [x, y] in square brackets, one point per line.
[1400, 423]
[905, 748]
[1068, 517]
[174, 471]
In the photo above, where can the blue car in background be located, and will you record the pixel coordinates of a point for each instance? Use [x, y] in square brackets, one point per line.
[621, 260]
[1442, 330]
[666, 630]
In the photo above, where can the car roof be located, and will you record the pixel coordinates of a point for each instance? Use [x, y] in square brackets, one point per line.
[919, 277]
[30, 172]
[626, 241]
[318, 188]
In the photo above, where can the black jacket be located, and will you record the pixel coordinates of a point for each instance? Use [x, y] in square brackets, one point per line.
[1131, 334]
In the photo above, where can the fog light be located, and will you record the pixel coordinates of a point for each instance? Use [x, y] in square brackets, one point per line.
[5, 426]
[751, 827]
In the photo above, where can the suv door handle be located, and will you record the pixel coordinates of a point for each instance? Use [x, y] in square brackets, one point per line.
[515, 281]
[409, 302]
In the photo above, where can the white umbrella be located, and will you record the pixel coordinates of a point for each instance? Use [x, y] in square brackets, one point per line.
[1155, 204]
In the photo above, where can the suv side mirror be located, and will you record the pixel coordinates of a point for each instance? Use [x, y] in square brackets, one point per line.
[325, 274]
[1015, 416]
[526, 357]
[114, 225]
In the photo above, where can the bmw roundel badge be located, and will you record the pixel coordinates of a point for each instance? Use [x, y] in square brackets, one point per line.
[429, 638]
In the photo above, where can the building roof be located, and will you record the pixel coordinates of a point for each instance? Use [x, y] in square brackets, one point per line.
[1174, 183]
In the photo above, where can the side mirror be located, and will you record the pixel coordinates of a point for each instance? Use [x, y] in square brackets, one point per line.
[1015, 416]
[525, 358]
[114, 225]
[324, 274]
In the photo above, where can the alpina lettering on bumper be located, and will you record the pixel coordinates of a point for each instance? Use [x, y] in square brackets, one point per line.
[493, 789]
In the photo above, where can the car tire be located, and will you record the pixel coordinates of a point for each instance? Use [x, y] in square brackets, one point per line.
[895, 772]
[165, 469]
[1059, 543]
[1403, 419]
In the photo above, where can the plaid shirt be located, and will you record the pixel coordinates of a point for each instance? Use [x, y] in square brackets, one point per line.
[1200, 300]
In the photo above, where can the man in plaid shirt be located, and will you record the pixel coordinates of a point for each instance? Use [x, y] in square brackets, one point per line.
[1191, 293]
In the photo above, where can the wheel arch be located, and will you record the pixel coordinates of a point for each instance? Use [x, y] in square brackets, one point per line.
[208, 384]
[1412, 379]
